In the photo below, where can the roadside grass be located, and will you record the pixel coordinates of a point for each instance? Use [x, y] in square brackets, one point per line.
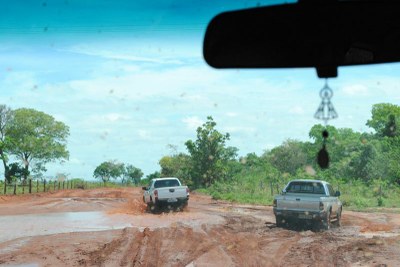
[255, 188]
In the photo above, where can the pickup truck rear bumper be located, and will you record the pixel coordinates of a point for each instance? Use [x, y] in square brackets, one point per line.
[296, 214]
[168, 201]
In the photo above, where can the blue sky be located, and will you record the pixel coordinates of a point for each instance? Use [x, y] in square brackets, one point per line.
[129, 79]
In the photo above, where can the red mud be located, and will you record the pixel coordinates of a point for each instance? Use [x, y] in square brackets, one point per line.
[209, 233]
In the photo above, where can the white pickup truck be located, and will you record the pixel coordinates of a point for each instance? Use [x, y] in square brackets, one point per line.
[165, 192]
[311, 200]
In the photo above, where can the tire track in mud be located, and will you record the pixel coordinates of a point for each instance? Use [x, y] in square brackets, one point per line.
[242, 241]
[110, 253]
[224, 235]
[173, 246]
[139, 258]
[367, 225]
[176, 246]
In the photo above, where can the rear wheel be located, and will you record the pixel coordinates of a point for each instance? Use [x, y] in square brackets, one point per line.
[279, 221]
[148, 207]
[151, 206]
[338, 222]
[326, 222]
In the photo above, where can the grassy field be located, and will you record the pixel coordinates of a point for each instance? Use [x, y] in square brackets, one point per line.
[254, 188]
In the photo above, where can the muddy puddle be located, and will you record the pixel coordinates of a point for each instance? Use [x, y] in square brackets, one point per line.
[17, 226]
[29, 225]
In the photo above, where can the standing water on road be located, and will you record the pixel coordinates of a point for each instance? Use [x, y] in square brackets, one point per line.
[16, 226]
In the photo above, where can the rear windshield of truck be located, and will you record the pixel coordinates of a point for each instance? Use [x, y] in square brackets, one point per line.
[166, 183]
[305, 187]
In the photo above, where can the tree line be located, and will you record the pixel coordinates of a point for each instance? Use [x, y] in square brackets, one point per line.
[113, 169]
[362, 156]
[29, 139]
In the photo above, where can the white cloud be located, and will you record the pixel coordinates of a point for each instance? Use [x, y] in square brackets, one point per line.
[231, 114]
[112, 117]
[355, 90]
[144, 134]
[93, 50]
[298, 110]
[192, 123]
[74, 161]
[239, 129]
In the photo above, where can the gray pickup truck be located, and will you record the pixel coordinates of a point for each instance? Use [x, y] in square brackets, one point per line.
[308, 200]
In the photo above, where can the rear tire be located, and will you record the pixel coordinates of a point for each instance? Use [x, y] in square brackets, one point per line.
[338, 221]
[326, 222]
[279, 221]
[148, 207]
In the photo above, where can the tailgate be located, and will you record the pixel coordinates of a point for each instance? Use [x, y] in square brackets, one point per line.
[299, 202]
[172, 192]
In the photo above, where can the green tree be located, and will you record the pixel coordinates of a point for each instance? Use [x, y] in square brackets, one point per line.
[208, 154]
[109, 169]
[133, 174]
[384, 119]
[288, 157]
[6, 116]
[365, 166]
[17, 171]
[153, 175]
[36, 138]
[178, 165]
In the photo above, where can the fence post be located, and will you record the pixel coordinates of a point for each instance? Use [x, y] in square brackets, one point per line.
[37, 186]
[5, 186]
[30, 186]
[58, 186]
[44, 185]
[63, 184]
[15, 188]
[54, 185]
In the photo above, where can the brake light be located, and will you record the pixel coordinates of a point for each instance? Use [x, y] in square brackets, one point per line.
[321, 205]
[275, 203]
[187, 190]
[156, 194]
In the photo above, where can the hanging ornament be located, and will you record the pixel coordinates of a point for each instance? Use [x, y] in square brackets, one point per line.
[323, 155]
[325, 112]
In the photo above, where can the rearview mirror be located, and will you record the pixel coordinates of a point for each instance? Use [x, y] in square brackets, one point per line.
[337, 194]
[144, 188]
[320, 34]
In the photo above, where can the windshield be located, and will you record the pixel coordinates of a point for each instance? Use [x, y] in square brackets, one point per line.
[166, 183]
[305, 187]
[99, 98]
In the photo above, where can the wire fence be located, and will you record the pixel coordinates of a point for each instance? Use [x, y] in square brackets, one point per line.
[40, 186]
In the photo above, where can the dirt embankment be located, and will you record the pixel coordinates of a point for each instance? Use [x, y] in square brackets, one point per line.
[209, 233]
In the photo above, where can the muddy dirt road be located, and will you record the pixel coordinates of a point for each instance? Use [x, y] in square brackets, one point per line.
[109, 227]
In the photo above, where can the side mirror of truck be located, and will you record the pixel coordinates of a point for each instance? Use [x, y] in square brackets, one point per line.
[144, 188]
[337, 194]
[283, 192]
